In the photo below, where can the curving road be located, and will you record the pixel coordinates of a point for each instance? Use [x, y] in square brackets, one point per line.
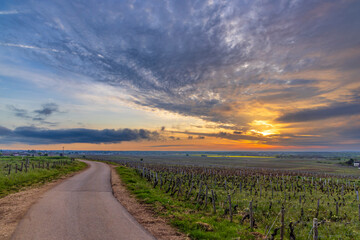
[82, 207]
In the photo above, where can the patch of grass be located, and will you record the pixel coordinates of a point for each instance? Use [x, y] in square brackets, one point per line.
[185, 216]
[14, 182]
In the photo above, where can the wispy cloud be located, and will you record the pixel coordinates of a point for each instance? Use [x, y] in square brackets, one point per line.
[21, 113]
[228, 63]
[10, 12]
[48, 109]
[28, 47]
[38, 115]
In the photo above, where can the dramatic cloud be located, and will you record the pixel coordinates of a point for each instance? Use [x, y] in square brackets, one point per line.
[34, 136]
[179, 56]
[335, 110]
[229, 63]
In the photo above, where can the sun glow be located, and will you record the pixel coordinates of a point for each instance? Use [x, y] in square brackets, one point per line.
[264, 128]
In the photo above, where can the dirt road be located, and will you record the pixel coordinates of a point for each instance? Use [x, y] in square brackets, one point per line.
[82, 207]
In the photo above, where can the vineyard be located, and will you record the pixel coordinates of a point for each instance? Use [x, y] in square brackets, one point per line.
[223, 203]
[19, 172]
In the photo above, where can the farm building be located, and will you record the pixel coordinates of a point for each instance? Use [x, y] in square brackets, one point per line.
[356, 164]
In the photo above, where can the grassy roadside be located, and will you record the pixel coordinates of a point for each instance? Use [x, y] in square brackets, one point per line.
[17, 181]
[337, 219]
[185, 216]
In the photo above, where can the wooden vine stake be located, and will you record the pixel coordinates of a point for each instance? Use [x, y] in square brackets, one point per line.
[230, 208]
[213, 200]
[282, 229]
[251, 215]
[191, 187]
[318, 208]
[315, 229]
[198, 196]
[206, 195]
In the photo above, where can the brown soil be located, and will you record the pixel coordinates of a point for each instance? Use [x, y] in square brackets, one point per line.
[157, 226]
[14, 206]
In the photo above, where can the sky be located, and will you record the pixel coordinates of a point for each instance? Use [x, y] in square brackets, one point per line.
[180, 75]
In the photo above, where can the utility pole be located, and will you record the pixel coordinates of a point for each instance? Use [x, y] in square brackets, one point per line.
[63, 152]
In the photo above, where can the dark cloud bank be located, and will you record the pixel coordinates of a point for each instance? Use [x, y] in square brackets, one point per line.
[334, 110]
[34, 135]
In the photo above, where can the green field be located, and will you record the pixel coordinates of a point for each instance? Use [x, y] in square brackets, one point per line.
[183, 195]
[228, 156]
[330, 165]
[17, 173]
[179, 188]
